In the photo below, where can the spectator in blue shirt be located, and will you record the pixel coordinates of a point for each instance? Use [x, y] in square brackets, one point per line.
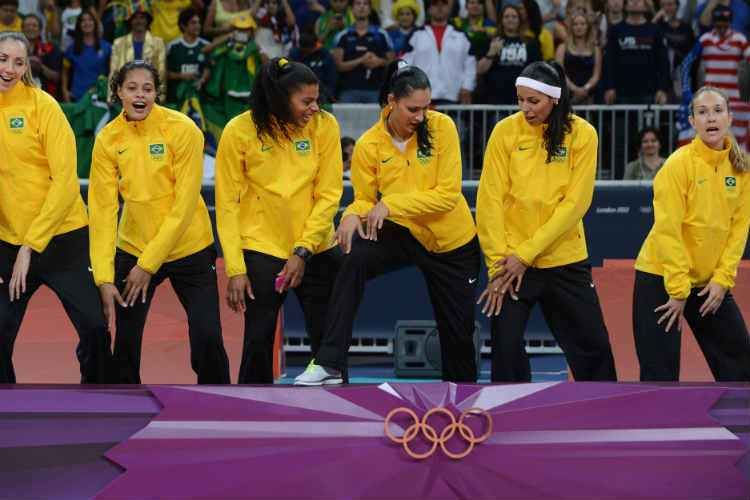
[362, 52]
[86, 59]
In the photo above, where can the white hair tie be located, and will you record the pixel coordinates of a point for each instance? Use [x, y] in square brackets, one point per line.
[549, 90]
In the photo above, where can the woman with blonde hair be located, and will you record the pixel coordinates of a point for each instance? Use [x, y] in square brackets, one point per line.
[581, 59]
[688, 263]
[43, 235]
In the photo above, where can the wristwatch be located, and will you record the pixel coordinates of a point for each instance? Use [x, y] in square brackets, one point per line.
[303, 253]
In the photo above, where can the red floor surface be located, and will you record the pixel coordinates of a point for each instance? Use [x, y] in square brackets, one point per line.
[45, 348]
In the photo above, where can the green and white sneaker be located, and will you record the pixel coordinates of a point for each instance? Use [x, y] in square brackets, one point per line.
[315, 374]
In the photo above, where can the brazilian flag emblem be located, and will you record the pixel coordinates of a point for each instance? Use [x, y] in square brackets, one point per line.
[302, 147]
[730, 182]
[157, 151]
[16, 123]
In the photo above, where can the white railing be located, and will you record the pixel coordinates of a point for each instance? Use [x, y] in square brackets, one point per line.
[617, 126]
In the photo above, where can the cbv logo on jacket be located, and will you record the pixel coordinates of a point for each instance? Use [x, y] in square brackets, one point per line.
[424, 156]
[561, 154]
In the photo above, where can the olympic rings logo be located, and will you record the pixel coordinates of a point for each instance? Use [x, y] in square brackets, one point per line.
[431, 435]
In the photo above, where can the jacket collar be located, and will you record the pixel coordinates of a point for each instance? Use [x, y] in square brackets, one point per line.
[712, 157]
[383, 128]
[15, 95]
[151, 123]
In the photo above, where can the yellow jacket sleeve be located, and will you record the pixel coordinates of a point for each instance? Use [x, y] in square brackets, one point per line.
[445, 195]
[493, 186]
[103, 207]
[229, 185]
[726, 269]
[188, 172]
[329, 184]
[59, 143]
[670, 186]
[364, 181]
[574, 205]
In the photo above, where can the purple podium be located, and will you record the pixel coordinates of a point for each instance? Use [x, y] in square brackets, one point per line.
[548, 440]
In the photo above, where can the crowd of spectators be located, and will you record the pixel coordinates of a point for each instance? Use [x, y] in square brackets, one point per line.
[208, 51]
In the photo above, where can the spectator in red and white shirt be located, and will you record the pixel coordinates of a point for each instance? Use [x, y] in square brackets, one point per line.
[444, 53]
[722, 50]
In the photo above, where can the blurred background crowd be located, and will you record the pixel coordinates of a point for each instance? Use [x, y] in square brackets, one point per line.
[630, 52]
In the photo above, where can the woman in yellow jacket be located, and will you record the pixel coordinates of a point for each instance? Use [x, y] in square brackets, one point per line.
[537, 183]
[153, 158]
[688, 263]
[406, 174]
[279, 179]
[43, 236]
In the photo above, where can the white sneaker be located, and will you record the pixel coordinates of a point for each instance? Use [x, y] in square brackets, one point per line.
[318, 375]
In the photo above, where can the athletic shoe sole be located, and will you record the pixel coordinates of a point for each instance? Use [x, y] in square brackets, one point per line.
[328, 381]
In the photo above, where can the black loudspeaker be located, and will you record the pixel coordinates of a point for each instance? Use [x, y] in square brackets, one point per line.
[416, 351]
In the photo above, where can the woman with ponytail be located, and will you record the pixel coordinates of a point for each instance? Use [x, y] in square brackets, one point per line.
[279, 179]
[688, 263]
[43, 235]
[408, 210]
[537, 184]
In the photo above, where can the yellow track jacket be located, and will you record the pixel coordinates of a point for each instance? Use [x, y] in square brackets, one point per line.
[701, 220]
[156, 165]
[531, 208]
[274, 196]
[421, 191]
[39, 192]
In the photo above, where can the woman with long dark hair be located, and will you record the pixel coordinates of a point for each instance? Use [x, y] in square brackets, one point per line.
[537, 183]
[152, 157]
[278, 186]
[43, 236]
[688, 263]
[86, 59]
[408, 210]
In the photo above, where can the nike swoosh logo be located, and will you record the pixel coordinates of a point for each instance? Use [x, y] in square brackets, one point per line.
[266, 148]
[121, 152]
[701, 181]
[472, 281]
[524, 149]
[387, 160]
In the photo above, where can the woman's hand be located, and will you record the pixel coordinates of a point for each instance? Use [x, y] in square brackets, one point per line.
[375, 218]
[493, 297]
[513, 270]
[673, 310]
[237, 287]
[496, 46]
[716, 294]
[345, 232]
[110, 295]
[136, 283]
[293, 272]
[17, 283]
